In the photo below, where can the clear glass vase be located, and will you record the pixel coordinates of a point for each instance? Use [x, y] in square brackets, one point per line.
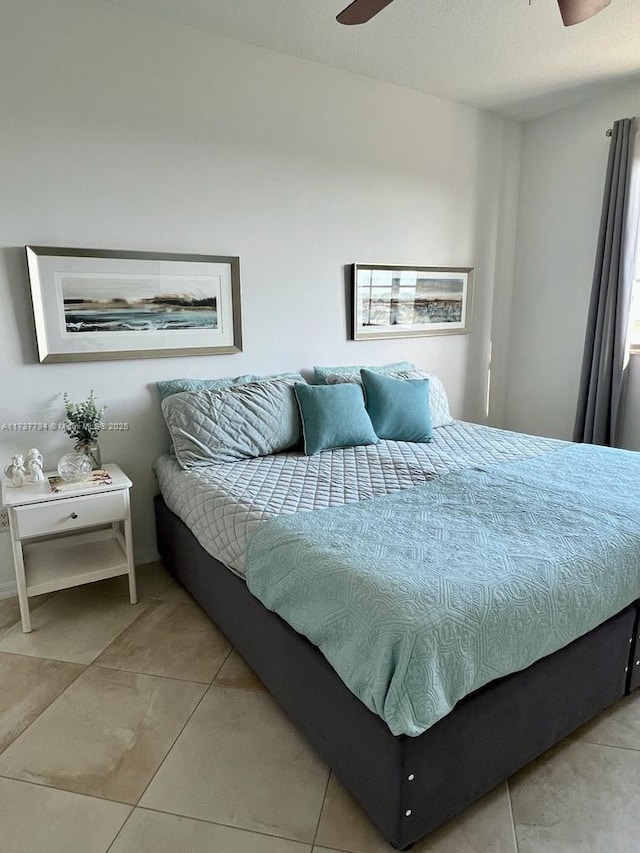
[74, 467]
[92, 450]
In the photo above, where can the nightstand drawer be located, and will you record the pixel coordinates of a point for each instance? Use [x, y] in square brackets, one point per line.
[70, 513]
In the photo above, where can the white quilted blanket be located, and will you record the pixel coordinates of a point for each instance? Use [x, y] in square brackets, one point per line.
[223, 504]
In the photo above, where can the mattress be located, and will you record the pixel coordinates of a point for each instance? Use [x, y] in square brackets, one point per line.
[224, 504]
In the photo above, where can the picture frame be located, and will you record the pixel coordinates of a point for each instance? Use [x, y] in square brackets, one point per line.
[95, 304]
[397, 301]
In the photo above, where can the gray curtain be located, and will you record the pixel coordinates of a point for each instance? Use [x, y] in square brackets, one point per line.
[606, 351]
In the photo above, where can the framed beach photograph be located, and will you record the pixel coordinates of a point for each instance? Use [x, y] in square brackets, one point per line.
[391, 301]
[93, 304]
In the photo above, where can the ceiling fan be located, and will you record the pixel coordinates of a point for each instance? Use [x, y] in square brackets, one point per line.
[572, 11]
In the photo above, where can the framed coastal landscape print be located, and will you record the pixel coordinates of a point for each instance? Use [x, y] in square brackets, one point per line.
[391, 301]
[93, 304]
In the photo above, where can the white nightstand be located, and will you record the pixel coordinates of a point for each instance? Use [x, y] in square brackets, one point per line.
[71, 537]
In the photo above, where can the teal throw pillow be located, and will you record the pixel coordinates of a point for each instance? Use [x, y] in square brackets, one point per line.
[333, 416]
[398, 408]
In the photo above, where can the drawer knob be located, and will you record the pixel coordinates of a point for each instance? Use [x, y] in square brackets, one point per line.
[74, 515]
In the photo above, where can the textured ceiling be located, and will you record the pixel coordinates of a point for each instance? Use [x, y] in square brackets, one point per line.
[503, 55]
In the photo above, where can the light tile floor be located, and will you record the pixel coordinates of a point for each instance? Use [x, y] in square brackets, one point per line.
[138, 729]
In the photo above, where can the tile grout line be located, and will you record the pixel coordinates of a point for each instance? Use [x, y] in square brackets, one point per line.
[513, 820]
[225, 825]
[64, 790]
[96, 662]
[109, 799]
[44, 657]
[152, 599]
[82, 663]
[204, 820]
[47, 706]
[220, 686]
[324, 799]
[227, 656]
[608, 745]
[118, 833]
[95, 665]
[126, 627]
[77, 794]
[31, 609]
[321, 848]
[85, 667]
[141, 599]
[134, 806]
[175, 740]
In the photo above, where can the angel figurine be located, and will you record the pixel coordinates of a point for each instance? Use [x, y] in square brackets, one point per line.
[15, 471]
[34, 463]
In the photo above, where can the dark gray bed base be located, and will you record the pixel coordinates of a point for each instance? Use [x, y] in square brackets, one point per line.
[409, 786]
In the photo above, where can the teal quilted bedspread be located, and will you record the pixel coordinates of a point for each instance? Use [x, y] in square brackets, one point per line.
[420, 597]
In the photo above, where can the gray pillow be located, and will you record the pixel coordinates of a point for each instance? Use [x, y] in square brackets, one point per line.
[321, 373]
[167, 387]
[238, 422]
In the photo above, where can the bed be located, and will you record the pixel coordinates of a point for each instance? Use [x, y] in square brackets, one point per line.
[277, 526]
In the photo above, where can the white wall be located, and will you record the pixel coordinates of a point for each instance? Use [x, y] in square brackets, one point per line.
[630, 437]
[564, 158]
[129, 133]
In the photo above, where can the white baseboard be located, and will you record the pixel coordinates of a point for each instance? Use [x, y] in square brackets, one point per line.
[8, 589]
[149, 555]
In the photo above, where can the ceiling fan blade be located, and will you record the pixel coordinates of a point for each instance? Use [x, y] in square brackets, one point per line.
[576, 11]
[361, 11]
